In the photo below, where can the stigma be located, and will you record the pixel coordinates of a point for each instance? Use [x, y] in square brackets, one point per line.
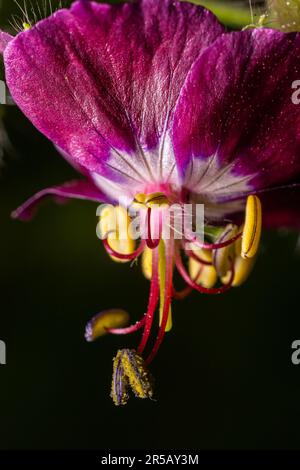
[130, 372]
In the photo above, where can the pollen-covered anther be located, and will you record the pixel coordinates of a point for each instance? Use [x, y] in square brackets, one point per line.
[129, 370]
[252, 227]
[26, 26]
[103, 321]
[114, 225]
[119, 387]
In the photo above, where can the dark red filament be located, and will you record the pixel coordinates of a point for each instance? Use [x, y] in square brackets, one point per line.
[150, 242]
[127, 257]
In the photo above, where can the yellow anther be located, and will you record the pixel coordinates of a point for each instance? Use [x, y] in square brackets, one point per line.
[114, 223]
[139, 202]
[206, 255]
[141, 198]
[238, 244]
[252, 227]
[149, 200]
[147, 263]
[162, 282]
[242, 267]
[222, 256]
[125, 247]
[26, 26]
[156, 199]
[208, 275]
[107, 319]
[108, 221]
[242, 270]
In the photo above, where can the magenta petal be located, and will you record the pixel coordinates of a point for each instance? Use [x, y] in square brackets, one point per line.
[237, 106]
[5, 38]
[281, 207]
[71, 190]
[101, 81]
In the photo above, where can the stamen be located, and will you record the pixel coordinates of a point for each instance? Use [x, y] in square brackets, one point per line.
[142, 201]
[182, 294]
[114, 223]
[242, 267]
[207, 276]
[252, 227]
[227, 258]
[156, 199]
[119, 387]
[138, 376]
[194, 285]
[125, 257]
[214, 246]
[140, 198]
[100, 323]
[200, 255]
[130, 329]
[221, 256]
[120, 246]
[150, 242]
[139, 202]
[129, 370]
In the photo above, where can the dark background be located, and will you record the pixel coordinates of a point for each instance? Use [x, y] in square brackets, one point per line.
[224, 377]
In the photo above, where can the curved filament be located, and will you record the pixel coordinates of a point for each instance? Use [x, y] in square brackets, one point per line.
[150, 242]
[129, 329]
[215, 246]
[198, 287]
[127, 257]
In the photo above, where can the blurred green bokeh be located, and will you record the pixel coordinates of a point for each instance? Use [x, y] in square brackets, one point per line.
[235, 16]
[224, 377]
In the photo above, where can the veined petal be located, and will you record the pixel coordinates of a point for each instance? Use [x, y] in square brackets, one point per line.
[280, 207]
[236, 127]
[101, 82]
[72, 190]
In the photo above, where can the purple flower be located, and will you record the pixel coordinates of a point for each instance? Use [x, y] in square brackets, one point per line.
[154, 102]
